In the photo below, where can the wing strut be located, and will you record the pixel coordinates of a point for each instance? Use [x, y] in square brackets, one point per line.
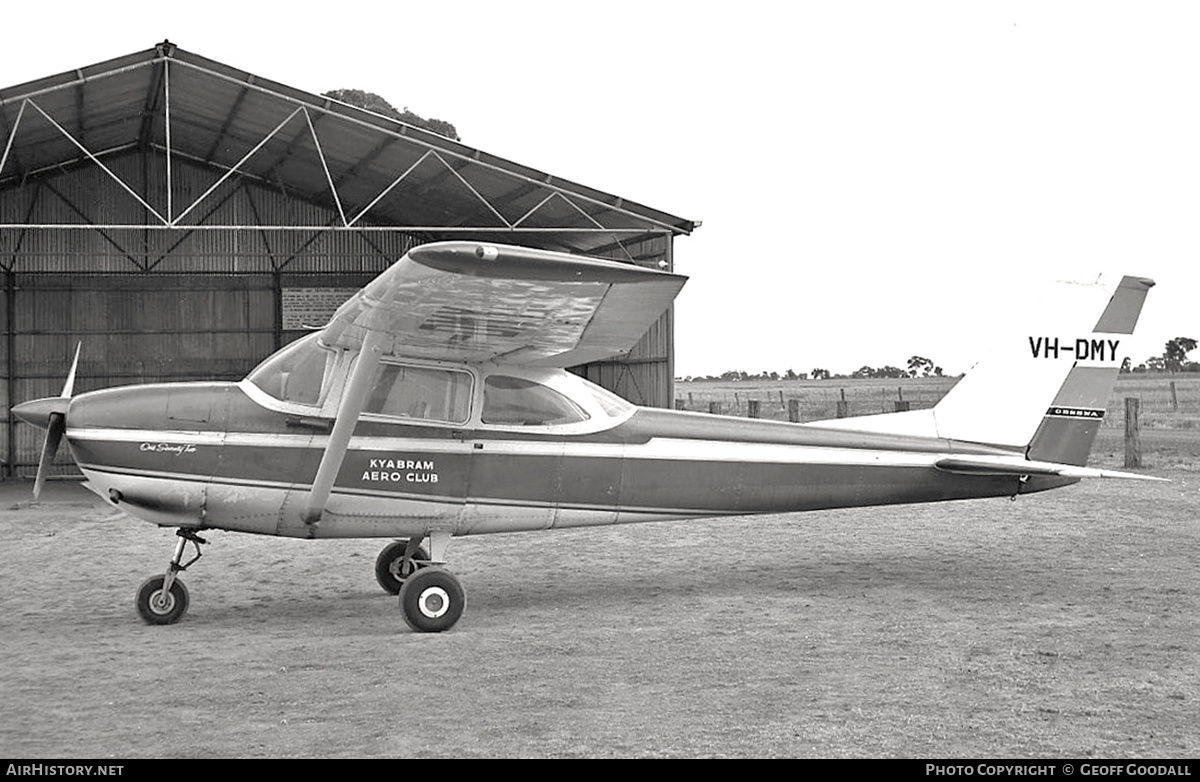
[354, 398]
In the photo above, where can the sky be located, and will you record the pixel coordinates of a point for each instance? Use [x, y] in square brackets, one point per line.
[875, 180]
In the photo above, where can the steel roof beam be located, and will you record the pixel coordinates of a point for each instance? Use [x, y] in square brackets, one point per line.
[447, 151]
[236, 166]
[390, 187]
[432, 229]
[104, 233]
[12, 134]
[325, 167]
[97, 161]
[429, 145]
[455, 158]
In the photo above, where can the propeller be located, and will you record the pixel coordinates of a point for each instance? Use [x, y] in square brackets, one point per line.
[50, 413]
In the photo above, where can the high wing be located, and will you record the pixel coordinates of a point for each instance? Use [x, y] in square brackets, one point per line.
[466, 301]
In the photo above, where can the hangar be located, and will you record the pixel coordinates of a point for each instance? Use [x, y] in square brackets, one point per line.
[182, 219]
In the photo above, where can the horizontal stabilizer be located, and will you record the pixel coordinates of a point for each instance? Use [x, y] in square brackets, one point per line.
[1018, 466]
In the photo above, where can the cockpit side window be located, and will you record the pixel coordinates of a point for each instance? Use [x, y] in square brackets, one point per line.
[513, 401]
[423, 393]
[297, 373]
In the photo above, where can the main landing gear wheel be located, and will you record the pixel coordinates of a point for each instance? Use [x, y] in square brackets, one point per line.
[159, 606]
[391, 569]
[432, 600]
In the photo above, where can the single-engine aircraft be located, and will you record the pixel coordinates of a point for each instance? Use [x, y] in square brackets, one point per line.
[436, 403]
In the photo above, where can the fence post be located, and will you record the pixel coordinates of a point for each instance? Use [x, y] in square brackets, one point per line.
[843, 408]
[794, 410]
[1133, 439]
[752, 408]
[1174, 398]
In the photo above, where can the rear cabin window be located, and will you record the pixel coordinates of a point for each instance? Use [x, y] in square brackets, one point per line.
[514, 401]
[421, 393]
[296, 373]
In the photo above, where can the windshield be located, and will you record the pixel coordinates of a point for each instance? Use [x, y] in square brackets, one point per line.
[296, 373]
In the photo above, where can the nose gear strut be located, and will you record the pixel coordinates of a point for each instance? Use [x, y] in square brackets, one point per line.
[163, 600]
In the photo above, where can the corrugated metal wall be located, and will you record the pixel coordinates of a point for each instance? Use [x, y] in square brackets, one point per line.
[644, 376]
[132, 328]
[180, 304]
[156, 305]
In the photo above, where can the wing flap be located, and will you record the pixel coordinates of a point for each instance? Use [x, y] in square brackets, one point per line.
[463, 301]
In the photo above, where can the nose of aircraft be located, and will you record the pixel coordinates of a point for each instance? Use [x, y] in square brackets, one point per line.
[38, 411]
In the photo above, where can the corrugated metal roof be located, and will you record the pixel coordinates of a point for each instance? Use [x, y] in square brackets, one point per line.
[371, 170]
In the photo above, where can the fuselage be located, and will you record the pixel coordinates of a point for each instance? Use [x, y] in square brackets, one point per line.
[478, 449]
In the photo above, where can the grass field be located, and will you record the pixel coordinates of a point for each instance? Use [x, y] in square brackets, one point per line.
[1065, 624]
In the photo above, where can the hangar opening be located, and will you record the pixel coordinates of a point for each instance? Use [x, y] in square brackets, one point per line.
[182, 219]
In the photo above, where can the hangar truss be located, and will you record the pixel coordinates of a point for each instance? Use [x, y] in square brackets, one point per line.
[183, 219]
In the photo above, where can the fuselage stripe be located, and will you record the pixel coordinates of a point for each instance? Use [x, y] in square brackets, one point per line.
[658, 448]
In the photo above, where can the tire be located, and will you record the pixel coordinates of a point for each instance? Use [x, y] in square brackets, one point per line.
[387, 566]
[156, 611]
[432, 600]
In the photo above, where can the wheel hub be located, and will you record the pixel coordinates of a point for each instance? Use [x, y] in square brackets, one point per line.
[433, 602]
[398, 569]
[162, 602]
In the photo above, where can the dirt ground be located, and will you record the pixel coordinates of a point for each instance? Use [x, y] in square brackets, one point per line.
[1062, 625]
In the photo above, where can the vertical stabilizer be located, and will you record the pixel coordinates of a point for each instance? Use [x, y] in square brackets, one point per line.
[1047, 388]
[1044, 388]
[1070, 424]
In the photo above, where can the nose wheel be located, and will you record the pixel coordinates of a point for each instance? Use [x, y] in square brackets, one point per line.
[163, 600]
[159, 604]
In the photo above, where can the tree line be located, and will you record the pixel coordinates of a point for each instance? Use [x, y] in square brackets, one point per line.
[372, 102]
[1173, 359]
[918, 366]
